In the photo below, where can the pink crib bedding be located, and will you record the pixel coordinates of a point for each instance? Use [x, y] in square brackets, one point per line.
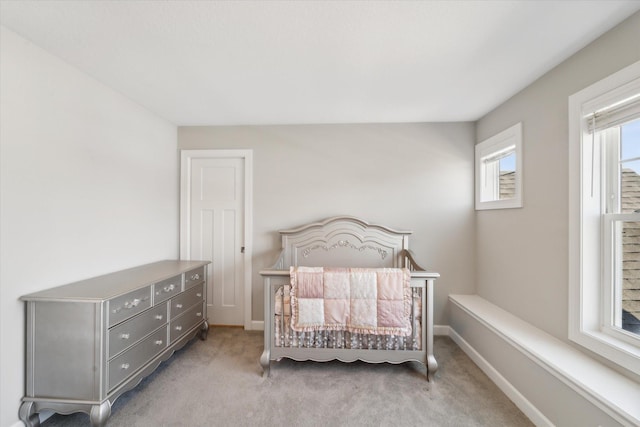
[357, 300]
[286, 336]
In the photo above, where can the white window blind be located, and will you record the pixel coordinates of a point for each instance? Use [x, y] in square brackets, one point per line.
[500, 154]
[608, 114]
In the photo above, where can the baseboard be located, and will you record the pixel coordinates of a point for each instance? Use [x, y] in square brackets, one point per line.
[442, 330]
[257, 325]
[505, 386]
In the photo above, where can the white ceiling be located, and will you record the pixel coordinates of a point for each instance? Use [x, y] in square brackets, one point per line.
[290, 62]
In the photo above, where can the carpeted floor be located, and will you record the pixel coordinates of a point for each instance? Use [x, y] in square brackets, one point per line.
[218, 382]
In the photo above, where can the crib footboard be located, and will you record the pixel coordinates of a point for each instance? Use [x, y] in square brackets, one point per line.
[281, 341]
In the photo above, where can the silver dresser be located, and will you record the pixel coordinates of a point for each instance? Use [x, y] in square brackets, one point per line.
[90, 341]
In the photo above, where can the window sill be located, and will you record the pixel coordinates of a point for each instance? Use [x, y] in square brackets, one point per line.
[499, 204]
[609, 347]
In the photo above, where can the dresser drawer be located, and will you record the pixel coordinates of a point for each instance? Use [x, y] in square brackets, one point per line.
[164, 290]
[128, 305]
[186, 300]
[182, 324]
[133, 330]
[193, 277]
[130, 361]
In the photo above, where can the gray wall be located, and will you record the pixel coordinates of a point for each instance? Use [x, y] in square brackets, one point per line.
[408, 176]
[522, 254]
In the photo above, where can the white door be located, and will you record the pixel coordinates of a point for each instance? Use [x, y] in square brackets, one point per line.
[213, 228]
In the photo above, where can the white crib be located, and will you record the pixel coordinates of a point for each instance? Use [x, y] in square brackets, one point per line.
[346, 242]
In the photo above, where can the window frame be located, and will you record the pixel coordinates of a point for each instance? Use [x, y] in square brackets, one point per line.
[506, 141]
[591, 235]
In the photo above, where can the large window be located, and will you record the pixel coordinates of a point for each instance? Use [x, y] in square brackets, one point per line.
[604, 299]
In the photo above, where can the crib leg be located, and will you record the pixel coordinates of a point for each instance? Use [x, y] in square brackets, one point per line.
[265, 363]
[432, 367]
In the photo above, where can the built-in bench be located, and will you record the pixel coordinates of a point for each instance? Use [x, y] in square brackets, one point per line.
[552, 382]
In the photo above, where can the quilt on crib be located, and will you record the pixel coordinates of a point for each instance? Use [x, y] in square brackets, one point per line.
[374, 301]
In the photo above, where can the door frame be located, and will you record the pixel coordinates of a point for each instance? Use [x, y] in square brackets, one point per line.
[186, 158]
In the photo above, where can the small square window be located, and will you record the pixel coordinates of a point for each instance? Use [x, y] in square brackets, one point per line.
[499, 170]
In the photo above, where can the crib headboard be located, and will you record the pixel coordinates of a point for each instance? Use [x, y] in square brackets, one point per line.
[342, 241]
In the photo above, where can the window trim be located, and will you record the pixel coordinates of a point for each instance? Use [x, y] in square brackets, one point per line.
[586, 227]
[491, 147]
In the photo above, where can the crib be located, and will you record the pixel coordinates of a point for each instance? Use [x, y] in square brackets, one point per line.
[344, 242]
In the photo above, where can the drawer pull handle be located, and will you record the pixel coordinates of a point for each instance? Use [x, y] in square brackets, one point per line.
[159, 342]
[125, 366]
[159, 316]
[178, 305]
[195, 276]
[132, 304]
[124, 336]
[199, 295]
[169, 288]
[178, 328]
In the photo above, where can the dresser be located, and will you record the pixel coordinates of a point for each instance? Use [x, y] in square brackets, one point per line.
[90, 341]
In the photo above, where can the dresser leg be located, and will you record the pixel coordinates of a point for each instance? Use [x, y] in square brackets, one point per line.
[204, 331]
[28, 417]
[100, 413]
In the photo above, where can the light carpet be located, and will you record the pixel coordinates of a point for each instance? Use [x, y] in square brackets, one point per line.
[218, 382]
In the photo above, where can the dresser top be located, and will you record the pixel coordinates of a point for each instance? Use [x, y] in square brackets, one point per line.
[115, 284]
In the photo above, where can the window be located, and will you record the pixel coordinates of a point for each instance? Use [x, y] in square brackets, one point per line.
[499, 170]
[604, 208]
[621, 239]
